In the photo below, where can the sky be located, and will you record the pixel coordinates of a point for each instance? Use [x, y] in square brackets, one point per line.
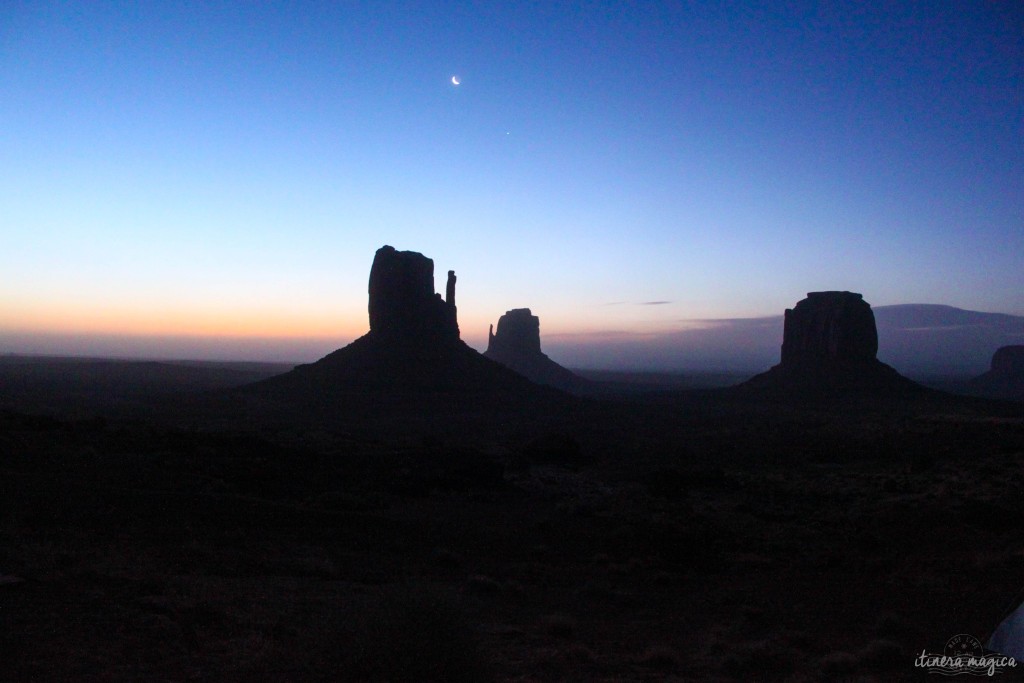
[205, 179]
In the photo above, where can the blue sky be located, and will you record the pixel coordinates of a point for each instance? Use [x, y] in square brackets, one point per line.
[226, 170]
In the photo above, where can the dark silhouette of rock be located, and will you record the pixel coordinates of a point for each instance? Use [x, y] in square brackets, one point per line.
[829, 344]
[412, 357]
[1005, 379]
[449, 295]
[518, 333]
[403, 304]
[829, 327]
[1009, 360]
[516, 345]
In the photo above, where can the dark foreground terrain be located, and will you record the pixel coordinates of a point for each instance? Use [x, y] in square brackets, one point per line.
[690, 535]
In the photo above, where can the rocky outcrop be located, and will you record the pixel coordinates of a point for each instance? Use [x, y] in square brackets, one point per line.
[829, 327]
[1008, 360]
[518, 335]
[403, 305]
[412, 357]
[516, 345]
[1005, 379]
[829, 344]
[449, 289]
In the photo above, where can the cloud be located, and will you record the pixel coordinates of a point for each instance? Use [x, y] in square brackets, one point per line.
[640, 303]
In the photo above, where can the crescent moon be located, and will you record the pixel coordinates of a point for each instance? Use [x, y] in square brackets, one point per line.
[455, 80]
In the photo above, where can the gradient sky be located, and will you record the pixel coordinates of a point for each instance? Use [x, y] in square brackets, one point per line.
[225, 171]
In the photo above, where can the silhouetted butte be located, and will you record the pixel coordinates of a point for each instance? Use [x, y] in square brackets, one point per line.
[403, 306]
[829, 344]
[412, 351]
[1005, 378]
[516, 345]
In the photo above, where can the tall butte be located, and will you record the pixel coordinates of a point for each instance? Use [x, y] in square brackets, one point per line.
[829, 344]
[516, 345]
[412, 350]
[404, 309]
[1005, 379]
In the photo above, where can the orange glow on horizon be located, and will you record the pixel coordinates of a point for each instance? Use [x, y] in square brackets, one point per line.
[180, 322]
[256, 320]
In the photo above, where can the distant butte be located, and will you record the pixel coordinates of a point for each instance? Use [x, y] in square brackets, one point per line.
[412, 353]
[829, 344]
[1009, 360]
[516, 345]
[1005, 378]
